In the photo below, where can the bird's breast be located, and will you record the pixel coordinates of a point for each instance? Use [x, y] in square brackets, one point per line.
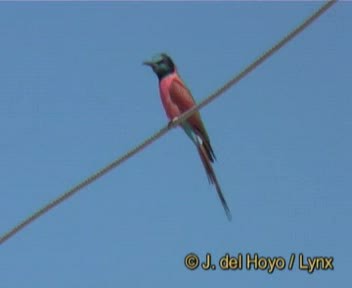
[170, 107]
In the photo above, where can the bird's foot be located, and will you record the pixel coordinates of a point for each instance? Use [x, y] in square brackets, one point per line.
[171, 123]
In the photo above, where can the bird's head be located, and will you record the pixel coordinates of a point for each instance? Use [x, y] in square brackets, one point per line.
[162, 65]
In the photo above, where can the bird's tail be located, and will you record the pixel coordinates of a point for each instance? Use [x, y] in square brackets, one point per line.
[212, 177]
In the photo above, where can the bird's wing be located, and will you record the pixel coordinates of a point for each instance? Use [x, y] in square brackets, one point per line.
[182, 97]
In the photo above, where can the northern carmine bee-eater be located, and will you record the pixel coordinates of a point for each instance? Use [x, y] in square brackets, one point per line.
[177, 99]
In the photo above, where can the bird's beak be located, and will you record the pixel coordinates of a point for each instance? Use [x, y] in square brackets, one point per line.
[148, 63]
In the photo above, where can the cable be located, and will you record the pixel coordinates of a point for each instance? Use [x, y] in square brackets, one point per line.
[166, 128]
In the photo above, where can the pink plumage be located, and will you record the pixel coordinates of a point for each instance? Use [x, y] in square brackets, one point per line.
[177, 99]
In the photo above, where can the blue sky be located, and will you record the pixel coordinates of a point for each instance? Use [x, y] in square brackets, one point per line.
[75, 96]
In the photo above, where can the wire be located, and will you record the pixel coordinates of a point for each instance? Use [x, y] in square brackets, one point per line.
[166, 128]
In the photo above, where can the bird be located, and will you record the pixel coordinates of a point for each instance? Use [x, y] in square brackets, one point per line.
[177, 99]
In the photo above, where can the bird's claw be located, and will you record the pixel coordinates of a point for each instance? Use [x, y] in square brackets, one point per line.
[171, 123]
